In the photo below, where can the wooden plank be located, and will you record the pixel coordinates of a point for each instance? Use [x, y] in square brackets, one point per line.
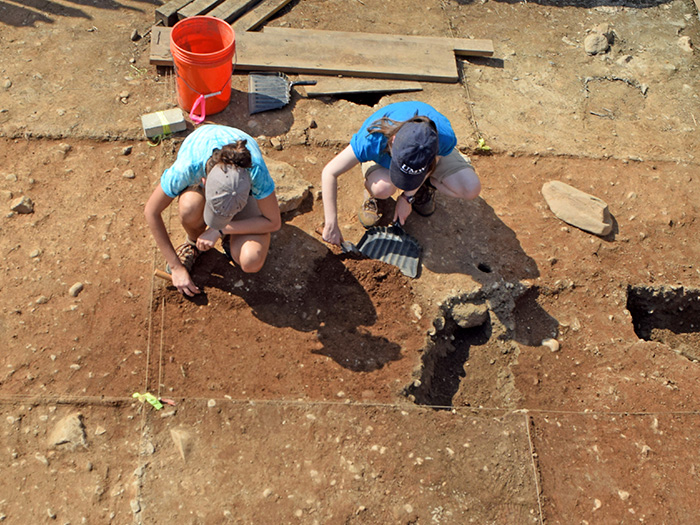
[160, 46]
[167, 13]
[312, 53]
[231, 10]
[317, 54]
[263, 11]
[356, 86]
[198, 7]
[460, 46]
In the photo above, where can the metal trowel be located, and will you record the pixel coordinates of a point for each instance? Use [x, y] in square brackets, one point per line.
[389, 244]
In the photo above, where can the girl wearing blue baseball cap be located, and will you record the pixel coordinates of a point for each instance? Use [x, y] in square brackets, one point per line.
[407, 147]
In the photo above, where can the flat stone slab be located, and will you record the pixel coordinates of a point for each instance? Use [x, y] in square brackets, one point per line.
[578, 208]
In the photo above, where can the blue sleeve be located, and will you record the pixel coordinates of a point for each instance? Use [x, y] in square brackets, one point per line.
[188, 168]
[372, 146]
[262, 183]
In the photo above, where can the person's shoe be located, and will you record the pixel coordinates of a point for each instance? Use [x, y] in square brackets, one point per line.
[187, 253]
[369, 213]
[424, 204]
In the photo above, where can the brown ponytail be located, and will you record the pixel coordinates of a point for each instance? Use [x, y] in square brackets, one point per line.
[235, 154]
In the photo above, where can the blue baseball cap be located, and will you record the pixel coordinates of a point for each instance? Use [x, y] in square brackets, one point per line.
[413, 151]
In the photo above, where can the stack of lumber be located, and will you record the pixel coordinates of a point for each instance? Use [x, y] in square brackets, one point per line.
[316, 52]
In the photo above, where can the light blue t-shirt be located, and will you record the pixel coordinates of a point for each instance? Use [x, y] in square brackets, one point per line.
[188, 168]
[372, 146]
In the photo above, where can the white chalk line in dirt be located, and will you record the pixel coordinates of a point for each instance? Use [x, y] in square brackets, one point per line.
[535, 475]
[480, 411]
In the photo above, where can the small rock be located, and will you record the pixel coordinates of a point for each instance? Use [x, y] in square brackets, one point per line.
[127, 150]
[276, 143]
[35, 253]
[75, 289]
[552, 344]
[470, 315]
[596, 43]
[128, 174]
[597, 504]
[183, 441]
[211, 403]
[417, 310]
[6, 195]
[100, 430]
[7, 84]
[624, 495]
[124, 94]
[69, 430]
[51, 514]
[135, 36]
[135, 506]
[42, 299]
[23, 205]
[685, 44]
[267, 493]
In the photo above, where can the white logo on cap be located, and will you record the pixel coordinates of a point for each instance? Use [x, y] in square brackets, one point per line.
[410, 171]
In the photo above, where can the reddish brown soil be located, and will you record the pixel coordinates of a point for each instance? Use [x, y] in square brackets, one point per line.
[329, 389]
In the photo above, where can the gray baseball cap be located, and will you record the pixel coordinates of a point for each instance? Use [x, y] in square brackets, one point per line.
[226, 191]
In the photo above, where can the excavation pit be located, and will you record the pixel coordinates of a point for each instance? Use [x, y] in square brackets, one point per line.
[668, 315]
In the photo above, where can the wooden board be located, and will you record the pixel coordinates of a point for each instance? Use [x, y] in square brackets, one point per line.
[323, 54]
[231, 10]
[254, 18]
[167, 13]
[198, 7]
[160, 46]
[460, 46]
[318, 54]
[356, 86]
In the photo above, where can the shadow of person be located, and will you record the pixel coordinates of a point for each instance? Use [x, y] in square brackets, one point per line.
[469, 238]
[303, 285]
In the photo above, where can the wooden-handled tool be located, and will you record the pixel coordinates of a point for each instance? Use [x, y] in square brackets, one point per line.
[163, 275]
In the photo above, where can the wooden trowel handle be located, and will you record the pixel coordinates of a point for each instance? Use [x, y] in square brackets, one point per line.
[163, 275]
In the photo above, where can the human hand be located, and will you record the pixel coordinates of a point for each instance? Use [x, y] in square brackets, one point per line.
[331, 234]
[183, 282]
[207, 240]
[402, 210]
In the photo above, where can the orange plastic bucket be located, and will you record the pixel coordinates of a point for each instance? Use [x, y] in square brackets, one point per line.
[203, 49]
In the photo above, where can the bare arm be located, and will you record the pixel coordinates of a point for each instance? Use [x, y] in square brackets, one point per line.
[157, 203]
[341, 163]
[270, 220]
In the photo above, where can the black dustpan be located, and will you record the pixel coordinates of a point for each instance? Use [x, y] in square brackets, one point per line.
[267, 91]
[392, 245]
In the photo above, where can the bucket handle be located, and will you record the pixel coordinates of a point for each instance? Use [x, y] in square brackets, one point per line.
[201, 99]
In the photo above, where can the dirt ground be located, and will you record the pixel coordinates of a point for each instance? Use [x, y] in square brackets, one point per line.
[331, 389]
